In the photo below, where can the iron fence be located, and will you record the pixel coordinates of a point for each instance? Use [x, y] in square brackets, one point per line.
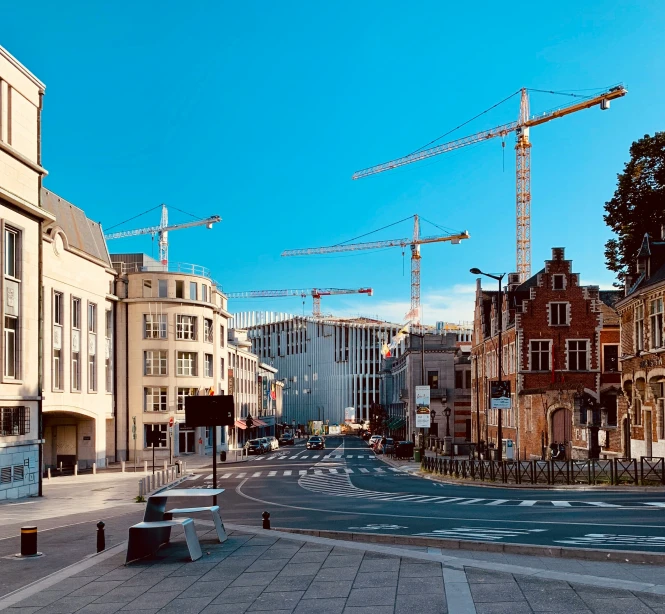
[648, 471]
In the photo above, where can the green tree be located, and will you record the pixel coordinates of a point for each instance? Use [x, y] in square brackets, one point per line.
[638, 204]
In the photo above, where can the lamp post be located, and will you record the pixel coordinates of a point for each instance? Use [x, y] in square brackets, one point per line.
[448, 440]
[499, 352]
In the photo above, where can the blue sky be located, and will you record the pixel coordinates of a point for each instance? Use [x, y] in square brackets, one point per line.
[261, 111]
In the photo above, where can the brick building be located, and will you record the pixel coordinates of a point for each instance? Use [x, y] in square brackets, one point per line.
[641, 408]
[559, 354]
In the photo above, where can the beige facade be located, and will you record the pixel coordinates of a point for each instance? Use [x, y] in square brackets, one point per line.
[21, 220]
[79, 313]
[243, 369]
[171, 343]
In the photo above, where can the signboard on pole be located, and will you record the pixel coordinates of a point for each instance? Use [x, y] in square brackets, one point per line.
[423, 418]
[500, 395]
[349, 414]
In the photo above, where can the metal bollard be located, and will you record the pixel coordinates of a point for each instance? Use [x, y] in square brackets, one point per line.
[101, 539]
[76, 468]
[166, 465]
[94, 468]
[266, 520]
[60, 468]
[145, 466]
[28, 541]
[48, 473]
[122, 466]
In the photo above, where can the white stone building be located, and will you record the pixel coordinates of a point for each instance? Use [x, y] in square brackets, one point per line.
[21, 223]
[326, 364]
[79, 315]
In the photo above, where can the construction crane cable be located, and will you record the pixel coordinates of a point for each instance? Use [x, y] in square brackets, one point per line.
[463, 124]
[186, 213]
[131, 218]
[449, 231]
[373, 231]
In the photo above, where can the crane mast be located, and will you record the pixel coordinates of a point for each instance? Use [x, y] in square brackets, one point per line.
[523, 161]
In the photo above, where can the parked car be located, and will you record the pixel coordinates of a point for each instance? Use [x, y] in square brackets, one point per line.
[315, 443]
[254, 446]
[386, 447]
[287, 439]
[274, 444]
[266, 444]
[365, 435]
[373, 440]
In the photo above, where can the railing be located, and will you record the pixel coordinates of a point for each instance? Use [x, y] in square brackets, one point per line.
[186, 268]
[648, 471]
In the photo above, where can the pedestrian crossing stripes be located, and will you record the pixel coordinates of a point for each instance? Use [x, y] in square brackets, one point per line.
[306, 456]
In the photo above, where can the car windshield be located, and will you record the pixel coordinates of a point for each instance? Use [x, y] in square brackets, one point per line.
[389, 441]
[254, 442]
[315, 439]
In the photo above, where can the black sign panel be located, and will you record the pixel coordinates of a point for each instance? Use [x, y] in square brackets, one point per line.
[500, 395]
[155, 436]
[215, 410]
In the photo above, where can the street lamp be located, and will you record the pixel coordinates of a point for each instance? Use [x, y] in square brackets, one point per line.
[446, 413]
[499, 351]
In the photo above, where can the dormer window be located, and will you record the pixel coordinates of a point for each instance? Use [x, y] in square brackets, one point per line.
[558, 282]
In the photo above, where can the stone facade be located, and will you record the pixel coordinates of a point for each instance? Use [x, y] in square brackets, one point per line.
[21, 223]
[554, 336]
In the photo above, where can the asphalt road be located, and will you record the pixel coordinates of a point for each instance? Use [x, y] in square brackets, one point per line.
[346, 488]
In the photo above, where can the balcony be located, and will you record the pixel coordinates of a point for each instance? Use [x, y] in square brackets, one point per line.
[184, 268]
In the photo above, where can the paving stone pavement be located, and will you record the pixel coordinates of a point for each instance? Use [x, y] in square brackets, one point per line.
[261, 572]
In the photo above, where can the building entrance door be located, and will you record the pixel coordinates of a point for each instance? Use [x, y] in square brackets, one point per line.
[561, 428]
[65, 445]
[186, 439]
[648, 433]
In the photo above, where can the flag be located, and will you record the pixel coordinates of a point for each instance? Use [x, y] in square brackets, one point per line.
[385, 350]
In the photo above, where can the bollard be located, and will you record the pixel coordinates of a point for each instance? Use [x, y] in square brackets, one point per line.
[48, 473]
[164, 478]
[76, 468]
[166, 465]
[101, 539]
[60, 468]
[145, 466]
[94, 468]
[28, 541]
[179, 465]
[141, 491]
[122, 466]
[266, 520]
[184, 467]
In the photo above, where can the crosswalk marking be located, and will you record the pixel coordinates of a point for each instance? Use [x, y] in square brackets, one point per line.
[560, 503]
[348, 470]
[332, 470]
[379, 470]
[288, 472]
[271, 473]
[304, 457]
[257, 474]
[349, 456]
[208, 477]
[226, 475]
[451, 499]
[302, 472]
[315, 456]
[601, 504]
[497, 502]
[528, 503]
[363, 470]
[471, 501]
[292, 457]
[241, 475]
[656, 504]
[318, 471]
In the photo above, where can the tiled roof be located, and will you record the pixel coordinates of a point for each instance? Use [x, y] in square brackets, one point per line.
[82, 233]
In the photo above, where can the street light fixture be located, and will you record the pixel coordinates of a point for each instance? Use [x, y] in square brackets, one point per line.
[499, 352]
[446, 413]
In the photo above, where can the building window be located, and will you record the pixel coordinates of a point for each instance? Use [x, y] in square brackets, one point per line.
[207, 330]
[109, 350]
[459, 379]
[92, 347]
[222, 337]
[154, 326]
[92, 318]
[656, 323]
[204, 293]
[181, 393]
[147, 288]
[222, 373]
[154, 362]
[577, 356]
[185, 328]
[11, 347]
[611, 411]
[162, 285]
[92, 373]
[179, 288]
[162, 428]
[56, 341]
[154, 398]
[76, 344]
[559, 282]
[610, 358]
[540, 355]
[207, 366]
[186, 363]
[14, 421]
[193, 294]
[639, 328]
[558, 314]
[637, 411]
[11, 253]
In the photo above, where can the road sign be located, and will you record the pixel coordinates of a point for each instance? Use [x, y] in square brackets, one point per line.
[423, 418]
[500, 395]
[171, 421]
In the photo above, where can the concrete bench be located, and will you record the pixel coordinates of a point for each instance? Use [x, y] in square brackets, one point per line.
[216, 517]
[145, 538]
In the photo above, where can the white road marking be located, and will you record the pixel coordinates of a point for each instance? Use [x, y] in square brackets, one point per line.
[528, 502]
[601, 504]
[271, 473]
[292, 457]
[471, 501]
[560, 503]
[451, 499]
[332, 470]
[241, 475]
[302, 472]
[226, 475]
[379, 470]
[257, 474]
[655, 504]
[498, 501]
[288, 472]
[208, 477]
[348, 470]
[363, 470]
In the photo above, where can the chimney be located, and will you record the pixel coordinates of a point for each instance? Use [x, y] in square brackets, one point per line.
[513, 281]
[558, 253]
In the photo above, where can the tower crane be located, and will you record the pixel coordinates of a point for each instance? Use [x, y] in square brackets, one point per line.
[523, 154]
[414, 243]
[162, 232]
[316, 294]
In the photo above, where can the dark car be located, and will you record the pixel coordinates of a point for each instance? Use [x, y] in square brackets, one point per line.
[404, 449]
[385, 446]
[255, 446]
[286, 440]
[315, 443]
[366, 435]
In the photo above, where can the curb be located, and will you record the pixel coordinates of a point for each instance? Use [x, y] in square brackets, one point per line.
[563, 487]
[585, 554]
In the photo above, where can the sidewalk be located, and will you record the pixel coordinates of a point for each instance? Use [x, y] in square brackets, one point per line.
[257, 570]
